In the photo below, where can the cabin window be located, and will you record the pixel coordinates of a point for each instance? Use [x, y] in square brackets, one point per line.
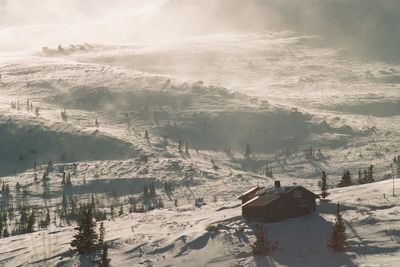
[297, 194]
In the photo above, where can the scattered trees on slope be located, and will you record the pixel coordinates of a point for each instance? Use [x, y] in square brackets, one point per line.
[346, 180]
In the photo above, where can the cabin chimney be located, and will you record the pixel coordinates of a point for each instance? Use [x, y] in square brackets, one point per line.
[277, 184]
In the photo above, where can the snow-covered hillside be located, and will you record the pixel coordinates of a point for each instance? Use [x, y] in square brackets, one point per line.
[98, 123]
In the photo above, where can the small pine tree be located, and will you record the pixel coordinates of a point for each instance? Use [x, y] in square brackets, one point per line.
[346, 180]
[360, 178]
[112, 211]
[31, 223]
[85, 241]
[105, 261]
[47, 220]
[146, 191]
[102, 232]
[121, 211]
[17, 187]
[324, 186]
[64, 204]
[68, 179]
[8, 190]
[370, 174]
[152, 190]
[337, 242]
[23, 220]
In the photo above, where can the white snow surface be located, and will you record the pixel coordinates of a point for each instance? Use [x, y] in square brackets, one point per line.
[277, 91]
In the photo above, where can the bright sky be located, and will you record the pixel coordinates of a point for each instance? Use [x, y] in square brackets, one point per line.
[26, 24]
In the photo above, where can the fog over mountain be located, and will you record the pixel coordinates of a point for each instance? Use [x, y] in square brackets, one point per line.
[369, 27]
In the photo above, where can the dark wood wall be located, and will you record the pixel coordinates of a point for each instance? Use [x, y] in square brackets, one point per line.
[288, 206]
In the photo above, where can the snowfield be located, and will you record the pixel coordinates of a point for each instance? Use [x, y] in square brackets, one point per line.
[276, 91]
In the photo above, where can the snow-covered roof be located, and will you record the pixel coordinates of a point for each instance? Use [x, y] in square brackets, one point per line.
[261, 200]
[248, 192]
[267, 195]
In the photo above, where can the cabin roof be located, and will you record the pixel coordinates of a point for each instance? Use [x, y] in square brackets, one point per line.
[250, 191]
[268, 195]
[259, 201]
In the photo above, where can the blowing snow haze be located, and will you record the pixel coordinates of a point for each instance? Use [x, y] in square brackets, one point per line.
[366, 26]
[197, 133]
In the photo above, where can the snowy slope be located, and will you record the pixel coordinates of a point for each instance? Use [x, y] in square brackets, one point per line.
[277, 91]
[178, 237]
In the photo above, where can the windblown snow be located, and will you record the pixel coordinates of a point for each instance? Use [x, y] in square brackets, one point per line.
[113, 116]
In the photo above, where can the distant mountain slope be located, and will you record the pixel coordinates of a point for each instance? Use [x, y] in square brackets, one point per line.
[370, 27]
[366, 25]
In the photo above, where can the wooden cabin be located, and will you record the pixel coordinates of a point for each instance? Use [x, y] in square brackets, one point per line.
[277, 203]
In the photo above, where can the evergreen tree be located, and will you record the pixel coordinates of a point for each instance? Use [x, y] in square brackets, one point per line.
[63, 179]
[105, 261]
[7, 190]
[47, 220]
[102, 232]
[370, 174]
[160, 203]
[146, 191]
[112, 211]
[346, 180]
[324, 186]
[31, 223]
[68, 179]
[85, 241]
[17, 187]
[11, 212]
[360, 178]
[152, 190]
[337, 242]
[121, 211]
[64, 204]
[23, 221]
[73, 202]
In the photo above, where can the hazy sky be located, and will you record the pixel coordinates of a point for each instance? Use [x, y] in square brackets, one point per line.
[39, 12]
[368, 26]
[35, 23]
